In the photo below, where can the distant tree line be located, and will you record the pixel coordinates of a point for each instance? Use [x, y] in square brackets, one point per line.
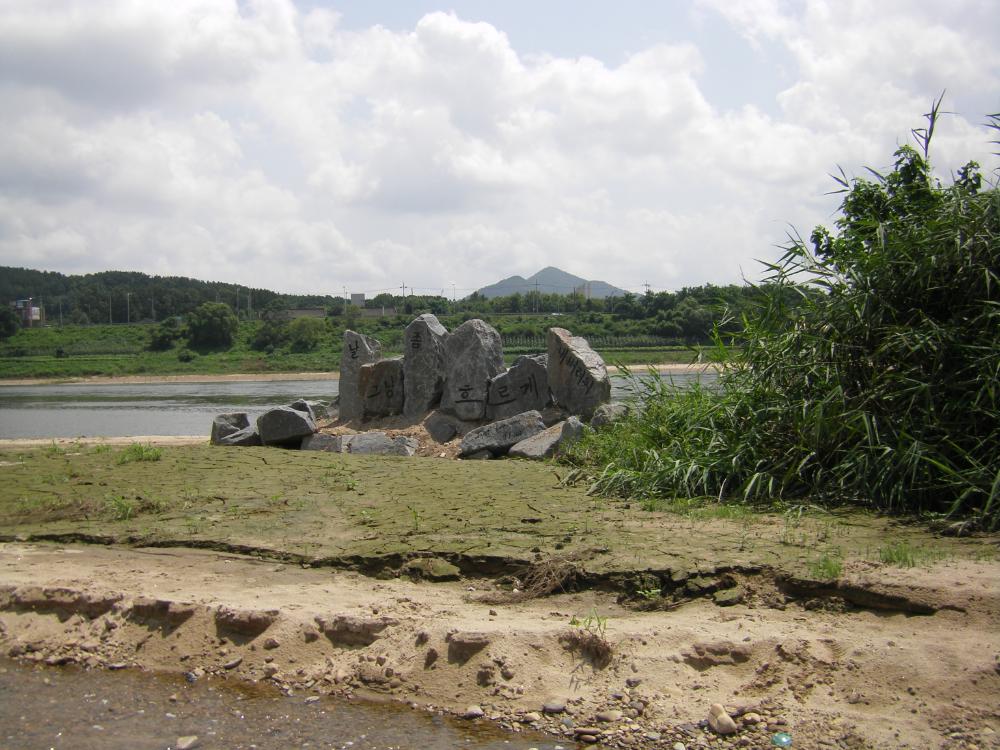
[685, 317]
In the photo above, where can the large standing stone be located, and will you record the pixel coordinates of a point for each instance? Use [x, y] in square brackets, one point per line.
[440, 427]
[577, 376]
[225, 425]
[524, 387]
[381, 385]
[358, 350]
[246, 437]
[473, 355]
[423, 364]
[498, 437]
[284, 426]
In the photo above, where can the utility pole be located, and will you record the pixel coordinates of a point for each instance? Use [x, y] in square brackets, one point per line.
[128, 308]
[453, 292]
[646, 284]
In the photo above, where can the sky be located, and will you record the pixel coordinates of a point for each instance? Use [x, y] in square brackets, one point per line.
[321, 147]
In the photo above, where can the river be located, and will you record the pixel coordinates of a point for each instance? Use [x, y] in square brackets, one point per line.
[43, 708]
[124, 409]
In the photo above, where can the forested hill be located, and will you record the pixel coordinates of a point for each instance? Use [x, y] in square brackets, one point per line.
[104, 296]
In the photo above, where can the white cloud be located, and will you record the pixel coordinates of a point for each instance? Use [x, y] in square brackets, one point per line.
[261, 143]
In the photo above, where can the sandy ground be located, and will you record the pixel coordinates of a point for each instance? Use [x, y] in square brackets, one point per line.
[267, 376]
[831, 675]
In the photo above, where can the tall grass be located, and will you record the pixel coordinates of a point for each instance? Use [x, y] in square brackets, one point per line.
[882, 387]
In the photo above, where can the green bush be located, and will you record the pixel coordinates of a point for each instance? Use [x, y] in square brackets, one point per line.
[881, 387]
[212, 324]
[305, 334]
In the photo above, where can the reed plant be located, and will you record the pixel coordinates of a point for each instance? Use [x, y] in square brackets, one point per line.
[882, 387]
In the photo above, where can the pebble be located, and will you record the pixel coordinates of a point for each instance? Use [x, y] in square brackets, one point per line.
[271, 643]
[679, 746]
[312, 699]
[473, 712]
[531, 717]
[187, 742]
[233, 663]
[554, 707]
[609, 715]
[720, 721]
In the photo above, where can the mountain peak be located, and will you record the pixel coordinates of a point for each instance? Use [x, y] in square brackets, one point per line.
[550, 280]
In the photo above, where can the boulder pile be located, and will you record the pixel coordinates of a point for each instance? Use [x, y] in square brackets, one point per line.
[457, 384]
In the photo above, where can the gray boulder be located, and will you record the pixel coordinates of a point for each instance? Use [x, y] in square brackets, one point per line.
[225, 425]
[524, 387]
[606, 414]
[423, 364]
[322, 442]
[550, 441]
[440, 427]
[315, 409]
[381, 386]
[498, 437]
[542, 445]
[578, 378]
[379, 444]
[284, 426]
[358, 350]
[473, 355]
[246, 437]
[572, 430]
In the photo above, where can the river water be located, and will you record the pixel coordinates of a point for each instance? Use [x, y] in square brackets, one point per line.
[67, 707]
[124, 409]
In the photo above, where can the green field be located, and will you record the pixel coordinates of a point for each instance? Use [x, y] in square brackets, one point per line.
[60, 352]
[372, 512]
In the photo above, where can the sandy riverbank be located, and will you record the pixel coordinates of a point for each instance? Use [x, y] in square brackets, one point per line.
[831, 676]
[268, 376]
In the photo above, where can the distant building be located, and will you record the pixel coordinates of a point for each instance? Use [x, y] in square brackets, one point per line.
[358, 300]
[27, 312]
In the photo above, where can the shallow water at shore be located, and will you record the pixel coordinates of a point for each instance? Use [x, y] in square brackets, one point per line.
[67, 707]
[66, 410]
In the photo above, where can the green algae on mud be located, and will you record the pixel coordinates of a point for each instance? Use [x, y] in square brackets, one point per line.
[373, 512]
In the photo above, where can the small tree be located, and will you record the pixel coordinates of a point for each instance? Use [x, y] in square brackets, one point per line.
[305, 334]
[9, 323]
[212, 324]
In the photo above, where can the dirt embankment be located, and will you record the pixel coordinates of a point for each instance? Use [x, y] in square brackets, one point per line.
[832, 673]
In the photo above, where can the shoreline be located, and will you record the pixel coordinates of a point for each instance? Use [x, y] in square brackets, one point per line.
[269, 376]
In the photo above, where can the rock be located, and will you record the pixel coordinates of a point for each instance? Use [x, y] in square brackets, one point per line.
[225, 425]
[531, 717]
[284, 426]
[473, 712]
[351, 630]
[498, 437]
[578, 378]
[358, 350]
[244, 438]
[187, 742]
[322, 442]
[312, 699]
[606, 414]
[524, 387]
[679, 746]
[249, 622]
[463, 645]
[608, 715]
[572, 430]
[432, 569]
[720, 721]
[233, 663]
[378, 444]
[381, 387]
[479, 456]
[554, 706]
[315, 409]
[728, 597]
[440, 427]
[423, 364]
[705, 654]
[271, 643]
[543, 445]
[473, 355]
